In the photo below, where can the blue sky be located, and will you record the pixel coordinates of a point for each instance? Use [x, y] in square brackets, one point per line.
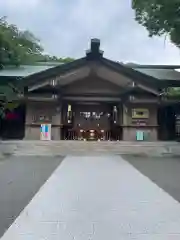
[65, 28]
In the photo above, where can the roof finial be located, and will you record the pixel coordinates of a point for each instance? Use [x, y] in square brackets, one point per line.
[94, 52]
[95, 44]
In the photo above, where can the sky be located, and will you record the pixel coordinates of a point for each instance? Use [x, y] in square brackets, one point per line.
[66, 27]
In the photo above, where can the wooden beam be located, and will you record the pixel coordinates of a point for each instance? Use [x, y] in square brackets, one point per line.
[148, 89]
[36, 86]
[92, 99]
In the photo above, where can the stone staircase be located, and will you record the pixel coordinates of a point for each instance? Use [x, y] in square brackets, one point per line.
[56, 148]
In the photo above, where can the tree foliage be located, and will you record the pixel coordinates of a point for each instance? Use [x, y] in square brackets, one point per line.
[22, 47]
[159, 17]
[48, 58]
[16, 46]
[19, 47]
[173, 92]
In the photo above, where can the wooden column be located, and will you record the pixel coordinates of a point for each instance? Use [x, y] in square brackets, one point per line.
[56, 122]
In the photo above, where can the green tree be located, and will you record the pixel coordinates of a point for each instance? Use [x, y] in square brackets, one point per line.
[8, 96]
[48, 58]
[160, 17]
[17, 47]
[65, 60]
[173, 92]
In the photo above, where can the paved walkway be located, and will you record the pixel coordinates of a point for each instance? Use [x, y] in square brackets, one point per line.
[98, 198]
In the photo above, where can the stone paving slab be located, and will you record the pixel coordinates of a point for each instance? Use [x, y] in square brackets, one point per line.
[98, 198]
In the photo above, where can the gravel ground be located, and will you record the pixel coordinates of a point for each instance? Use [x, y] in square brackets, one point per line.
[165, 172]
[20, 179]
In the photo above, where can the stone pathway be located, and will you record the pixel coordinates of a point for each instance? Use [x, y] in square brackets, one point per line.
[98, 198]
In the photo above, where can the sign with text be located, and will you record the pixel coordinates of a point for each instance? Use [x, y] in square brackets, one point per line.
[140, 113]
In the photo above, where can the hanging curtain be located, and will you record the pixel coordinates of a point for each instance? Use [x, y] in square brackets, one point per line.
[11, 116]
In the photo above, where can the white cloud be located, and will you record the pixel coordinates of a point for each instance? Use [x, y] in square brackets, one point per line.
[66, 27]
[16, 4]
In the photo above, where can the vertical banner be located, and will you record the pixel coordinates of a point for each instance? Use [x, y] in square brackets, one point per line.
[45, 132]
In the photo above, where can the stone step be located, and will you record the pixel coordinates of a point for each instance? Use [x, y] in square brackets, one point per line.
[51, 148]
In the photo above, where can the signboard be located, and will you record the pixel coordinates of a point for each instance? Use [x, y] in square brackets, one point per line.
[140, 113]
[139, 135]
[45, 132]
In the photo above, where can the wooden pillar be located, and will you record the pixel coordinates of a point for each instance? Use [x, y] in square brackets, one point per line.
[56, 122]
[125, 123]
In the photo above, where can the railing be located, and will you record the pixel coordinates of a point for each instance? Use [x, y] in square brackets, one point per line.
[71, 135]
[85, 135]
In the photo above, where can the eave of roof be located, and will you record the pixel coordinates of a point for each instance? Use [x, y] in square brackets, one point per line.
[53, 72]
[136, 72]
[166, 73]
[134, 65]
[161, 74]
[24, 70]
[131, 73]
[120, 68]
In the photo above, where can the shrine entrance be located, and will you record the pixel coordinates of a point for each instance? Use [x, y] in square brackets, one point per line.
[93, 122]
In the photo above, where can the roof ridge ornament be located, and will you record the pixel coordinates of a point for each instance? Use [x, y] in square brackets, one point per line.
[94, 52]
